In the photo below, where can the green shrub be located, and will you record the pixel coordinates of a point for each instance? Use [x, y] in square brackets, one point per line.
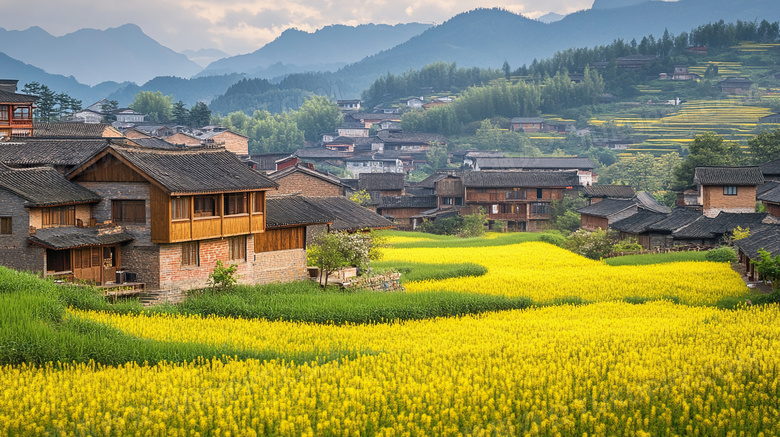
[556, 239]
[721, 255]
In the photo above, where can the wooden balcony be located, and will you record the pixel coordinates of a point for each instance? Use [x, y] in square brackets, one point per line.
[507, 216]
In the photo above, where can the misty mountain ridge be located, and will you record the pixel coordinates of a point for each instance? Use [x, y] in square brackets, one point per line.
[326, 49]
[119, 54]
[204, 57]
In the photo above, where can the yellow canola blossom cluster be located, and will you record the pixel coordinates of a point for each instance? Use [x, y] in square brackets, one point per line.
[604, 369]
[545, 273]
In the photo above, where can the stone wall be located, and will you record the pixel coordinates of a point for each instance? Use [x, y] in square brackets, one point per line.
[143, 261]
[386, 282]
[14, 250]
[109, 191]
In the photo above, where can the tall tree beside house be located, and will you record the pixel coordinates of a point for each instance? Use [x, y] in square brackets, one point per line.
[708, 148]
[200, 115]
[51, 106]
[154, 104]
[437, 156]
[317, 116]
[179, 114]
[765, 147]
[66, 105]
[108, 108]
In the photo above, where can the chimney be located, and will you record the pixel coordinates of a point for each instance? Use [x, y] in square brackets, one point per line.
[8, 85]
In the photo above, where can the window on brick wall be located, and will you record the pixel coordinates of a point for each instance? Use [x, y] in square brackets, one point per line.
[237, 248]
[128, 211]
[730, 190]
[538, 193]
[58, 216]
[180, 208]
[5, 225]
[190, 256]
[235, 203]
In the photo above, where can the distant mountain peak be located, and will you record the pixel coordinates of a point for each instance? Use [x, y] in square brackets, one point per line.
[550, 17]
[613, 4]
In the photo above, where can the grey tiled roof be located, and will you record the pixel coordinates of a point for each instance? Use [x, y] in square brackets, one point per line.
[766, 238]
[156, 143]
[6, 97]
[535, 163]
[722, 224]
[647, 201]
[381, 181]
[72, 237]
[613, 191]
[637, 223]
[59, 152]
[516, 179]
[70, 130]
[410, 137]
[607, 207]
[319, 153]
[678, 218]
[275, 176]
[426, 202]
[770, 192]
[348, 215]
[44, 186]
[284, 211]
[195, 170]
[771, 167]
[728, 176]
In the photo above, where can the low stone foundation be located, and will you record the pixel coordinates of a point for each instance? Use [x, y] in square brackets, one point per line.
[386, 282]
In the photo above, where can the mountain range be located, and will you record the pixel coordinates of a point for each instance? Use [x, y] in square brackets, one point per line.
[483, 37]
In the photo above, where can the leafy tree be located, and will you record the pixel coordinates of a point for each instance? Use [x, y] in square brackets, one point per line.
[332, 251]
[707, 149]
[765, 147]
[474, 224]
[437, 156]
[223, 278]
[361, 197]
[721, 255]
[590, 244]
[200, 115]
[563, 213]
[317, 116]
[507, 70]
[154, 104]
[179, 114]
[267, 132]
[108, 109]
[325, 253]
[768, 267]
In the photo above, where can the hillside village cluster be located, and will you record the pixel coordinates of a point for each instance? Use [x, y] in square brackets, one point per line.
[152, 208]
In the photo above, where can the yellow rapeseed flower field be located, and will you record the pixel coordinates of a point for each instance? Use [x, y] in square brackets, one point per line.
[545, 273]
[603, 369]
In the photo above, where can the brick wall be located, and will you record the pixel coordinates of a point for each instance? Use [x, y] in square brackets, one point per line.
[14, 250]
[298, 182]
[233, 143]
[108, 191]
[174, 275]
[280, 266]
[714, 201]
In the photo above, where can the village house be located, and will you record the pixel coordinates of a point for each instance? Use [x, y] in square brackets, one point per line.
[769, 195]
[527, 124]
[403, 210]
[770, 119]
[304, 179]
[62, 154]
[87, 116]
[374, 164]
[603, 214]
[735, 85]
[765, 238]
[128, 115]
[583, 166]
[408, 141]
[348, 105]
[370, 119]
[711, 231]
[635, 227]
[597, 193]
[727, 189]
[771, 170]
[154, 131]
[16, 111]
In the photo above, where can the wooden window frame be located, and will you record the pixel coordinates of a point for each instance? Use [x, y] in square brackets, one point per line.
[199, 204]
[235, 203]
[258, 203]
[25, 113]
[180, 208]
[57, 216]
[130, 211]
[5, 113]
[730, 190]
[190, 254]
[539, 193]
[237, 248]
[6, 225]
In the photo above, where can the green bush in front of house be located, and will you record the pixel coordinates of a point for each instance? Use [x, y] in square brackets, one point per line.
[721, 255]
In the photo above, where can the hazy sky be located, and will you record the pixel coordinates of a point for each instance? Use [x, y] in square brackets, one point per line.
[242, 26]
